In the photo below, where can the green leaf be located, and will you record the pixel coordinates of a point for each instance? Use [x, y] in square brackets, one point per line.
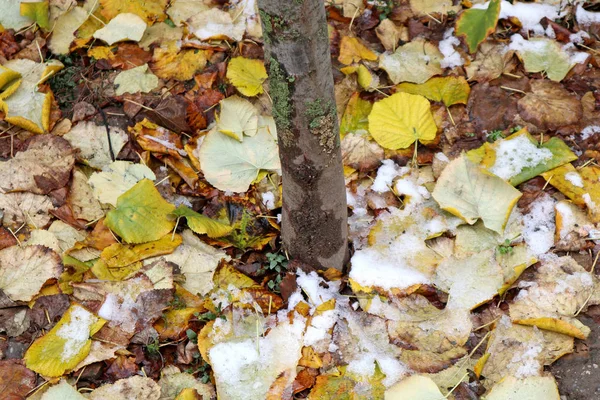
[519, 157]
[469, 192]
[38, 12]
[477, 24]
[141, 215]
[202, 224]
[449, 90]
[543, 55]
[356, 115]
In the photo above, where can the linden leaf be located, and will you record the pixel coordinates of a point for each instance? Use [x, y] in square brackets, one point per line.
[64, 30]
[449, 90]
[11, 17]
[123, 27]
[542, 55]
[202, 224]
[37, 11]
[415, 387]
[247, 75]
[134, 387]
[149, 11]
[24, 270]
[351, 51]
[530, 387]
[135, 80]
[491, 61]
[415, 62]
[231, 165]
[65, 345]
[356, 115]
[169, 62]
[92, 143]
[238, 117]
[117, 178]
[519, 157]
[550, 106]
[141, 214]
[475, 25]
[398, 121]
[468, 192]
[217, 24]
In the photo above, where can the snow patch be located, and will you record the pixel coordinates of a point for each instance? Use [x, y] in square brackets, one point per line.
[589, 131]
[386, 174]
[452, 58]
[514, 155]
[539, 225]
[76, 332]
[574, 178]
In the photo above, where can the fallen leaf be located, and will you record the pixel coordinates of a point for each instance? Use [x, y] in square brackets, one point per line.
[141, 214]
[135, 80]
[81, 199]
[468, 192]
[125, 26]
[92, 141]
[25, 208]
[36, 11]
[579, 185]
[426, 7]
[532, 387]
[150, 12]
[24, 270]
[202, 224]
[169, 62]
[398, 121]
[63, 33]
[356, 115]
[415, 62]
[238, 117]
[173, 382]
[352, 50]
[160, 33]
[62, 391]
[550, 106]
[16, 381]
[216, 24]
[475, 25]
[117, 178]
[519, 157]
[11, 17]
[449, 90]
[228, 164]
[491, 61]
[180, 11]
[65, 345]
[415, 387]
[247, 75]
[135, 387]
[360, 153]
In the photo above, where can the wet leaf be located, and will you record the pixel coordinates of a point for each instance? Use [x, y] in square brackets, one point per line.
[398, 121]
[475, 25]
[470, 193]
[355, 115]
[141, 214]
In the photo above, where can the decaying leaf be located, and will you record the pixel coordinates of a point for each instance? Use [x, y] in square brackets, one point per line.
[135, 80]
[360, 153]
[549, 106]
[470, 193]
[137, 387]
[92, 141]
[400, 120]
[117, 178]
[63, 347]
[491, 61]
[415, 62]
[25, 208]
[23, 270]
[141, 215]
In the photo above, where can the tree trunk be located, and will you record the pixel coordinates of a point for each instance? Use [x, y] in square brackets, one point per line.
[314, 220]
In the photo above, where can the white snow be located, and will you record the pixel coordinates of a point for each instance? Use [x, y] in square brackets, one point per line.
[268, 199]
[514, 155]
[587, 199]
[578, 37]
[311, 284]
[416, 192]
[441, 157]
[120, 311]
[76, 332]
[386, 174]
[528, 362]
[319, 327]
[539, 226]
[574, 178]
[589, 131]
[452, 58]
[529, 14]
[585, 17]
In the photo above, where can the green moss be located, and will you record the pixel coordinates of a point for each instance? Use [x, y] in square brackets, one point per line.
[276, 28]
[316, 110]
[279, 89]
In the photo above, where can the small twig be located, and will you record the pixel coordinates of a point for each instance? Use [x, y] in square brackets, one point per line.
[110, 148]
[512, 89]
[584, 304]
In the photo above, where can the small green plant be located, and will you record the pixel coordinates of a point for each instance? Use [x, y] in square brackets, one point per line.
[153, 348]
[470, 134]
[515, 129]
[192, 336]
[203, 370]
[495, 135]
[385, 8]
[177, 303]
[278, 265]
[506, 247]
[209, 315]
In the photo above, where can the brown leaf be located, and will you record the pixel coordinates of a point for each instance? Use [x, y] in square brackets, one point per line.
[122, 367]
[491, 107]
[8, 44]
[550, 106]
[171, 113]
[7, 239]
[361, 153]
[200, 110]
[16, 381]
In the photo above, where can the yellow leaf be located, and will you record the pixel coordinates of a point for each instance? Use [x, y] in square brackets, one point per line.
[468, 192]
[117, 261]
[168, 62]
[67, 344]
[202, 224]
[7, 76]
[37, 11]
[150, 11]
[247, 75]
[416, 62]
[174, 322]
[416, 387]
[554, 325]
[448, 89]
[530, 387]
[351, 50]
[141, 214]
[227, 275]
[401, 119]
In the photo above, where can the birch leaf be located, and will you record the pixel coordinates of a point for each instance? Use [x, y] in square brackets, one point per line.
[24, 270]
[141, 214]
[398, 121]
[247, 75]
[475, 25]
[65, 345]
[230, 165]
[202, 224]
[468, 192]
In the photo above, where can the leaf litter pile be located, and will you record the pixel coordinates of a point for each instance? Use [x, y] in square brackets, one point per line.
[140, 201]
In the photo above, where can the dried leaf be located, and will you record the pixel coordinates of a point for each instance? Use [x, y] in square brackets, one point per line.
[550, 106]
[123, 27]
[352, 50]
[415, 62]
[135, 80]
[117, 178]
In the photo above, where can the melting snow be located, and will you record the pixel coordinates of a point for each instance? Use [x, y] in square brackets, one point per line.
[514, 155]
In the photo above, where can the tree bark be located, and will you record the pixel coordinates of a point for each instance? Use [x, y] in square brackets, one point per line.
[314, 216]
